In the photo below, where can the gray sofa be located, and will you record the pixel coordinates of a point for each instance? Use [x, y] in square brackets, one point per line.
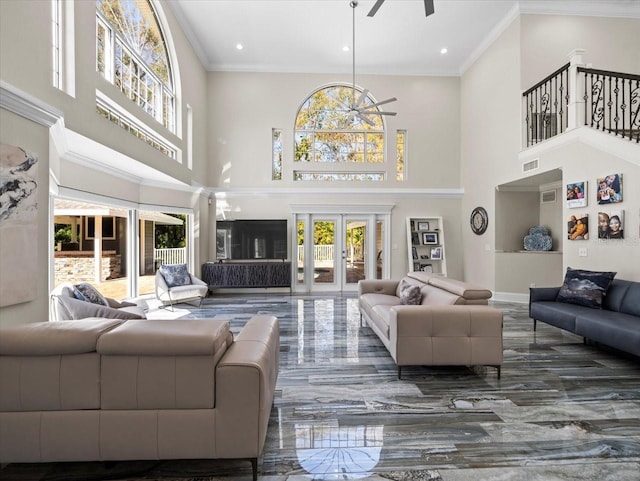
[452, 325]
[617, 324]
[107, 389]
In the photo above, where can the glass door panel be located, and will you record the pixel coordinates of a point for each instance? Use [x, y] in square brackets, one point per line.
[324, 252]
[354, 251]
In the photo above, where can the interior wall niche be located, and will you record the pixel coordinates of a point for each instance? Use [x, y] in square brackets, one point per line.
[519, 207]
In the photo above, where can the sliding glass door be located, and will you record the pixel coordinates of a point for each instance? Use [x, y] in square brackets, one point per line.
[117, 248]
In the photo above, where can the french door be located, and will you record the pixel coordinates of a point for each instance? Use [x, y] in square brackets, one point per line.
[335, 251]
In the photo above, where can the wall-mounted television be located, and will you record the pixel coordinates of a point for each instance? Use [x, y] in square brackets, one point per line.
[251, 239]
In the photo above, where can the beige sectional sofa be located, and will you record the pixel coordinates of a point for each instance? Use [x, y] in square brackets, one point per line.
[452, 324]
[105, 389]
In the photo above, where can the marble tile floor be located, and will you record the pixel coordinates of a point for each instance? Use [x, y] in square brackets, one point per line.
[562, 410]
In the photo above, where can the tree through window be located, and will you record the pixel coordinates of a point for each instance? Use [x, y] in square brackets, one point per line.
[131, 53]
[326, 132]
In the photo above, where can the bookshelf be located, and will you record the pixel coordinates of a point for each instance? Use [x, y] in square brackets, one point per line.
[426, 245]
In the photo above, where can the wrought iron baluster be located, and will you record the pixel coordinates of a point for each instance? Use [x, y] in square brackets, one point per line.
[616, 90]
[635, 111]
[623, 108]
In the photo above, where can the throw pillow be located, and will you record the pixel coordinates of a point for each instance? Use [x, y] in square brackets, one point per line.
[175, 275]
[585, 288]
[88, 293]
[411, 295]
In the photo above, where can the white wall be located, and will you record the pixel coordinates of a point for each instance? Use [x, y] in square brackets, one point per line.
[25, 63]
[244, 107]
[491, 130]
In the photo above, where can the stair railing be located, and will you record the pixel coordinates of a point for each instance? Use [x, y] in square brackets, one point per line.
[575, 95]
[546, 106]
[612, 102]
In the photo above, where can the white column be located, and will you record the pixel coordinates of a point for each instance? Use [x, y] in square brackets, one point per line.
[576, 106]
[97, 249]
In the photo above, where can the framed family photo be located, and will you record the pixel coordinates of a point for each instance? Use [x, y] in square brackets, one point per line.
[610, 189]
[577, 194]
[578, 227]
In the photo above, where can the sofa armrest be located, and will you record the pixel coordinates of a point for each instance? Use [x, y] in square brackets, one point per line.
[543, 293]
[378, 286]
[197, 282]
[245, 382]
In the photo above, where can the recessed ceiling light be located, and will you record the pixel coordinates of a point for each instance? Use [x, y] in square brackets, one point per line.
[443, 50]
[239, 46]
[346, 48]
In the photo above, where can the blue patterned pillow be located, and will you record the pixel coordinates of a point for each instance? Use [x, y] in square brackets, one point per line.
[585, 288]
[175, 275]
[88, 293]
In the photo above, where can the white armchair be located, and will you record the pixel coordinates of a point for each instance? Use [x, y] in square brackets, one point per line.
[66, 307]
[173, 289]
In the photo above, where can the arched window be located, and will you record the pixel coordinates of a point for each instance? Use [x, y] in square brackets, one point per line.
[131, 53]
[326, 131]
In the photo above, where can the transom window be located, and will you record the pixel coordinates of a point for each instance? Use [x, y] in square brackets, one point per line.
[326, 131]
[131, 53]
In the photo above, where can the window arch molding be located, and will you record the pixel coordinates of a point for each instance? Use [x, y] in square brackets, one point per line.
[138, 81]
[332, 144]
[173, 62]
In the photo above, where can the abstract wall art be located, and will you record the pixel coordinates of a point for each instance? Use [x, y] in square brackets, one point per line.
[18, 225]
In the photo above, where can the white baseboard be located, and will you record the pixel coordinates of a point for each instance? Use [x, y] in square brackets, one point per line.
[511, 297]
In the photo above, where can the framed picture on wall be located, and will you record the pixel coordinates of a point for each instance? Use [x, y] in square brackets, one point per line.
[578, 227]
[610, 189]
[577, 194]
[430, 238]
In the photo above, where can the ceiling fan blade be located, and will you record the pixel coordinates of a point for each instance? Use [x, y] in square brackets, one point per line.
[428, 7]
[366, 112]
[375, 8]
[362, 96]
[369, 121]
[377, 104]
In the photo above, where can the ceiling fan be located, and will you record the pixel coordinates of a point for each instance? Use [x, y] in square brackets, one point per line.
[428, 8]
[358, 108]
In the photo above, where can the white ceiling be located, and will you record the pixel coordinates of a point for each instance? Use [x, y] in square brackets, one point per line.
[308, 36]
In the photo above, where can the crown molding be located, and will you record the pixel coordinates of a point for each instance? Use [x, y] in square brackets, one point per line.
[240, 192]
[592, 8]
[491, 37]
[178, 13]
[28, 106]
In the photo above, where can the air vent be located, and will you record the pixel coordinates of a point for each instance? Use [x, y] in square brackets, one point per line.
[531, 165]
[548, 197]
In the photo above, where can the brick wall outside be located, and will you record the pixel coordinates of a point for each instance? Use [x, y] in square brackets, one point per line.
[75, 267]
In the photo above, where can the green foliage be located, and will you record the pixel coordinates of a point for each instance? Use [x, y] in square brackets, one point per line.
[62, 233]
[171, 236]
